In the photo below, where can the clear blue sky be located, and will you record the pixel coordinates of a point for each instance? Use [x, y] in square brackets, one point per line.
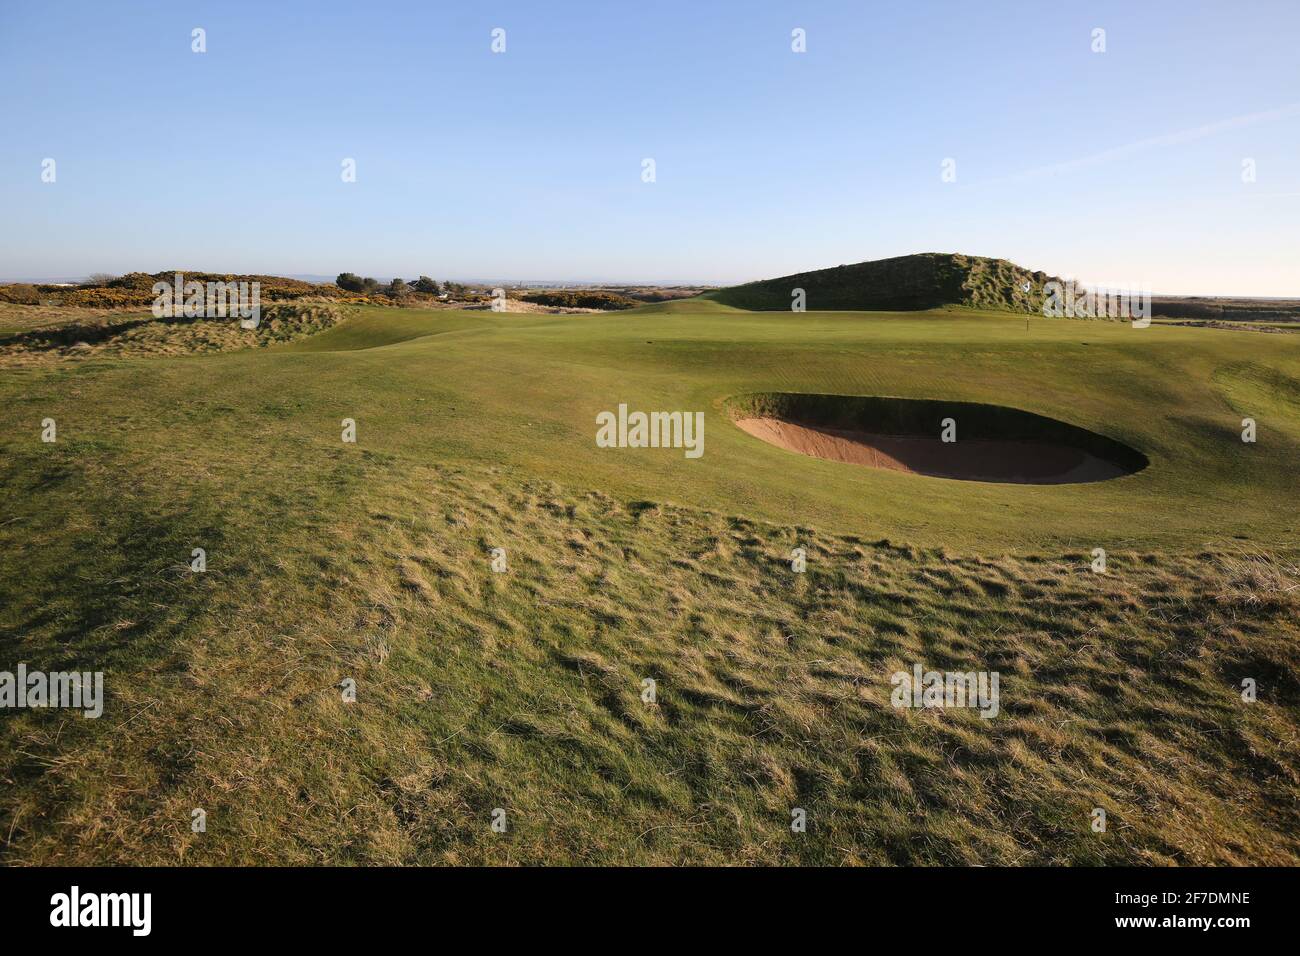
[1122, 167]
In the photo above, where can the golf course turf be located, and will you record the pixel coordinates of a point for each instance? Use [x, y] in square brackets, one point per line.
[523, 689]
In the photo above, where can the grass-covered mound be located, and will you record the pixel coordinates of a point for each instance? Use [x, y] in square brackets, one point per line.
[923, 281]
[112, 335]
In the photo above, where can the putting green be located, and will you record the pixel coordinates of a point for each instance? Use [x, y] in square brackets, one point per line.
[523, 392]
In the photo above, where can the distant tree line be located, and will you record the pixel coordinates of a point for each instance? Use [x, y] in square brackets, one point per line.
[351, 282]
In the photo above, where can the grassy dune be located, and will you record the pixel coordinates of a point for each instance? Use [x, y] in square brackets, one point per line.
[522, 690]
[928, 280]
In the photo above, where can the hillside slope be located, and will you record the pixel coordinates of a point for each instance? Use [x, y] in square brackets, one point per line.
[926, 280]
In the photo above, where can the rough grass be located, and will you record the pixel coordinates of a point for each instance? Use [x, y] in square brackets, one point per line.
[522, 690]
[112, 335]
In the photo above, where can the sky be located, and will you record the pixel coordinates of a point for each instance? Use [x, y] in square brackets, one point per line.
[1129, 167]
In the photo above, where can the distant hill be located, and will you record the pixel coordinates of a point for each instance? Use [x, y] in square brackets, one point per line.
[926, 280]
[1212, 309]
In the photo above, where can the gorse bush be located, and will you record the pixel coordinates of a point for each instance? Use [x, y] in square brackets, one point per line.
[107, 298]
[134, 290]
[609, 301]
[20, 293]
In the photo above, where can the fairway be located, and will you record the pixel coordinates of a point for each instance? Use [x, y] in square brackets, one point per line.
[521, 394]
[519, 687]
[524, 394]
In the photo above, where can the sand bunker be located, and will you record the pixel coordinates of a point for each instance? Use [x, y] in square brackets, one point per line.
[1020, 462]
[999, 445]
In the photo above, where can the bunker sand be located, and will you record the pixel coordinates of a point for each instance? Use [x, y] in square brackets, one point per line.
[1010, 462]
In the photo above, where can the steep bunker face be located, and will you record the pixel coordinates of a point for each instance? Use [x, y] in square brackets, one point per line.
[967, 441]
